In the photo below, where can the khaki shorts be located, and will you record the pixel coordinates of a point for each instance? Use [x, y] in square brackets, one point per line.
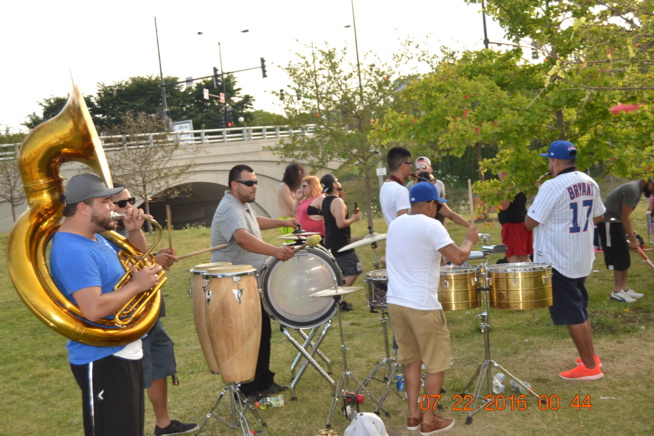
[421, 335]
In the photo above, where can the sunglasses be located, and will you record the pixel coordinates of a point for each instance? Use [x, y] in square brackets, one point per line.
[123, 203]
[248, 183]
[422, 167]
[409, 163]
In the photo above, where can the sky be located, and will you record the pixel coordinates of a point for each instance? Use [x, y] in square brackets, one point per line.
[45, 44]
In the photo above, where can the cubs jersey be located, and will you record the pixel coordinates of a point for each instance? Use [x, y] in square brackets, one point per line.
[564, 208]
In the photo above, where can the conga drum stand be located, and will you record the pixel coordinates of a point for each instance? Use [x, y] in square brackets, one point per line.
[343, 384]
[238, 405]
[482, 376]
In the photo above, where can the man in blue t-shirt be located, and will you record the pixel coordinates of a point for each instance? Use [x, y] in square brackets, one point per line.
[85, 267]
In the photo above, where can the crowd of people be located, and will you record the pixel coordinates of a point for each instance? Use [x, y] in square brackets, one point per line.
[557, 228]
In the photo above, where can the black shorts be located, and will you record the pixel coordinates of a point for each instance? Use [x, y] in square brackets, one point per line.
[615, 246]
[570, 300]
[112, 396]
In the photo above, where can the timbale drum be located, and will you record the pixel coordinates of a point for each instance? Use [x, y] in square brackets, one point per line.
[520, 286]
[458, 287]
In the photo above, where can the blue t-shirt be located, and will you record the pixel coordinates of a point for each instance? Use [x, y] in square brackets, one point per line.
[76, 263]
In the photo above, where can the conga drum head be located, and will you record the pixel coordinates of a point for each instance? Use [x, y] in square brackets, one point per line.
[199, 303]
[286, 288]
[458, 288]
[377, 286]
[520, 286]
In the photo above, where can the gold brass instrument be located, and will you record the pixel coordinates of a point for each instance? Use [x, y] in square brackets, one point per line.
[69, 136]
[540, 179]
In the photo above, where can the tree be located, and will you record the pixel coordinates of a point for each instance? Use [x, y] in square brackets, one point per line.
[342, 109]
[206, 113]
[52, 106]
[11, 185]
[145, 164]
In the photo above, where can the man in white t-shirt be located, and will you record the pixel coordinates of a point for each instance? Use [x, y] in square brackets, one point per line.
[416, 314]
[393, 196]
[563, 217]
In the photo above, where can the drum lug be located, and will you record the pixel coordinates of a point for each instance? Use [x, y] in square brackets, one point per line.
[207, 295]
[238, 292]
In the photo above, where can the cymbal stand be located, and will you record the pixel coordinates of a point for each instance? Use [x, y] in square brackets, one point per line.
[238, 406]
[388, 364]
[308, 349]
[375, 261]
[482, 376]
[343, 385]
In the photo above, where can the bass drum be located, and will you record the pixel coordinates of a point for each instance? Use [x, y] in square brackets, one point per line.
[286, 288]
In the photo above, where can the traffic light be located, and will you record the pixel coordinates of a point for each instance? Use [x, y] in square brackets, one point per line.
[263, 68]
[281, 94]
[230, 117]
[221, 122]
[216, 78]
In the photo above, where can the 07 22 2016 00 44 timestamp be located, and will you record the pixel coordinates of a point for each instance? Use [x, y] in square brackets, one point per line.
[512, 402]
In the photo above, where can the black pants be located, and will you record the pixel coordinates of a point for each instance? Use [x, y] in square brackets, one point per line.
[263, 376]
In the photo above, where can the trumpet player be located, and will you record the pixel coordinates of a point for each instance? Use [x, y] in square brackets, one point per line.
[85, 267]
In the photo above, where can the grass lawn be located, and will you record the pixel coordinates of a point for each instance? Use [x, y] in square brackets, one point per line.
[41, 397]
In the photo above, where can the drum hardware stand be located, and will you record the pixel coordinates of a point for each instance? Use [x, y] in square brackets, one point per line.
[238, 407]
[482, 375]
[343, 382]
[375, 262]
[308, 342]
[308, 354]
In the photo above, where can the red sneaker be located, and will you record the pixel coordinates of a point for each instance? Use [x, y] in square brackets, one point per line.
[580, 372]
[596, 357]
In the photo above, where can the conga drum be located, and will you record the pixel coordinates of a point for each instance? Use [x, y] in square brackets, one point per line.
[233, 317]
[458, 287]
[199, 303]
[520, 286]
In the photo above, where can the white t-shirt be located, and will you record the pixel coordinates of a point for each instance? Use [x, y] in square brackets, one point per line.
[393, 198]
[414, 268]
[564, 208]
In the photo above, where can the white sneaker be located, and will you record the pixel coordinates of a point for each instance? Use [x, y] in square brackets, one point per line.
[622, 297]
[633, 294]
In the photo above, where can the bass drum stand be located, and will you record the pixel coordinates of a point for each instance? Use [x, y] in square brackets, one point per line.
[238, 406]
[482, 377]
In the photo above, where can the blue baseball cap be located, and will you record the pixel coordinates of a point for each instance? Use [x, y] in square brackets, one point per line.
[424, 191]
[561, 150]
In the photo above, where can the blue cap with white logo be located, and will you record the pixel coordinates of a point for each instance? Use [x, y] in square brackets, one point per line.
[561, 150]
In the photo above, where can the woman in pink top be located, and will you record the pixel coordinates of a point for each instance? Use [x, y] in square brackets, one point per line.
[307, 205]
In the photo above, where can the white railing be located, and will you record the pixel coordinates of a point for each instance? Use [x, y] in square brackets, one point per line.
[194, 137]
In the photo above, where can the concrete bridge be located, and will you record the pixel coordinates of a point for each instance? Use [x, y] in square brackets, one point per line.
[217, 152]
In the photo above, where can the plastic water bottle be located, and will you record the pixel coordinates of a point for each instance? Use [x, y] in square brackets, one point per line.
[267, 402]
[517, 387]
[498, 383]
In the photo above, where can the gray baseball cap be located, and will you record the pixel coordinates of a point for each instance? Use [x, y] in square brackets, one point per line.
[84, 186]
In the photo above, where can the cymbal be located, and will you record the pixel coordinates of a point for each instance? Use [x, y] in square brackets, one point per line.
[297, 235]
[366, 240]
[336, 291]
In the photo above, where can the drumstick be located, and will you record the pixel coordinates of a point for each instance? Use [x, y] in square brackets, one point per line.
[217, 247]
[312, 241]
[472, 208]
[644, 256]
[169, 218]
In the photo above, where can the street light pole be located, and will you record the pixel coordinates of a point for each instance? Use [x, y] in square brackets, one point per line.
[222, 79]
[163, 86]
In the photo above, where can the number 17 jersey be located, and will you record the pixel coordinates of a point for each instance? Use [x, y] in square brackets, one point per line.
[564, 208]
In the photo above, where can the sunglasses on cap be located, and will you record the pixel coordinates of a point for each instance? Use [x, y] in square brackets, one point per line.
[248, 183]
[123, 203]
[422, 167]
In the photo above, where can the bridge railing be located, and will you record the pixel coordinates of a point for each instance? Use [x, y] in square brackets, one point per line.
[193, 137]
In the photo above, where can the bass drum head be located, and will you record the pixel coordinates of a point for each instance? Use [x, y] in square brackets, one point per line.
[287, 288]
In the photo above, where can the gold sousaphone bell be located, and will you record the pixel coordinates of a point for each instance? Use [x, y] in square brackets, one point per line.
[69, 136]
